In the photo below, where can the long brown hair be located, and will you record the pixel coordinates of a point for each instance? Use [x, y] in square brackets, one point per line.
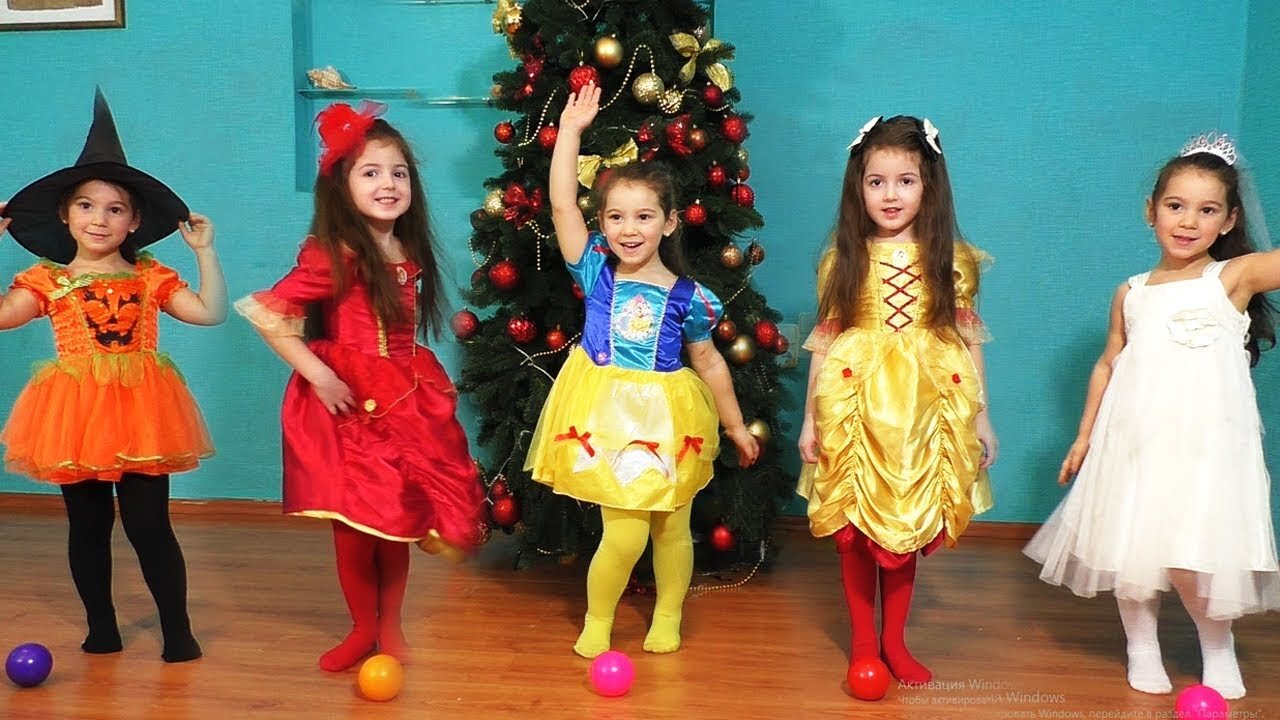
[339, 227]
[1233, 244]
[935, 227]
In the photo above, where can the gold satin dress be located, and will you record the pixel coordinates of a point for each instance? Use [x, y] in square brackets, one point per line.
[895, 402]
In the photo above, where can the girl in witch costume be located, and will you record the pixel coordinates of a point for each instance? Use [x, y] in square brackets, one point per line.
[371, 442]
[626, 425]
[111, 414]
[896, 438]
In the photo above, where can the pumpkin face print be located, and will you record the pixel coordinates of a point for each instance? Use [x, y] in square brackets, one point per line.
[111, 315]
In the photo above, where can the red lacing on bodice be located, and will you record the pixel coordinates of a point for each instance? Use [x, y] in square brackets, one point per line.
[901, 280]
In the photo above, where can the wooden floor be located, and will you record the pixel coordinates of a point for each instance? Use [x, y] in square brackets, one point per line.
[491, 642]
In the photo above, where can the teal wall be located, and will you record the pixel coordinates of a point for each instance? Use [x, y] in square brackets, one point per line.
[1054, 116]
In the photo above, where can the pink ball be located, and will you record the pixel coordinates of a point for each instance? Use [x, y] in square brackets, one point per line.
[612, 673]
[1201, 702]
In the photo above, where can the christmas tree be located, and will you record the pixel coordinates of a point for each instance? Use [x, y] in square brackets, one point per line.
[668, 96]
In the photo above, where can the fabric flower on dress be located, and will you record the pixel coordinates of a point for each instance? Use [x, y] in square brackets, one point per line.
[1196, 327]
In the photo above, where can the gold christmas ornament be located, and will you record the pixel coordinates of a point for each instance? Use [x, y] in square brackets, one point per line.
[741, 350]
[647, 88]
[328, 78]
[585, 204]
[731, 256]
[742, 156]
[760, 429]
[670, 102]
[493, 206]
[608, 52]
[506, 17]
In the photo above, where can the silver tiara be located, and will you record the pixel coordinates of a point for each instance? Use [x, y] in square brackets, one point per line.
[1214, 143]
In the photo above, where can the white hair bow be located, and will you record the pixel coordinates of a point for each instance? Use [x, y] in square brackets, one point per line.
[931, 135]
[863, 132]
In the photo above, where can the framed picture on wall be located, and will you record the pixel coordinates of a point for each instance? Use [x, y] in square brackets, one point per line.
[60, 14]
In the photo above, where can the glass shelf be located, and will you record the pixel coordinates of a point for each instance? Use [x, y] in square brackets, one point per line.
[411, 94]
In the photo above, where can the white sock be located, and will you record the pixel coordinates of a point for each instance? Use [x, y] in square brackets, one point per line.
[1146, 667]
[1217, 645]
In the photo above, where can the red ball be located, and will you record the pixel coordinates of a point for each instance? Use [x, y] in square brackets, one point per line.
[766, 333]
[645, 135]
[744, 172]
[524, 91]
[782, 345]
[464, 324]
[498, 490]
[581, 75]
[734, 129]
[713, 96]
[716, 176]
[742, 195]
[505, 512]
[722, 538]
[577, 292]
[504, 275]
[533, 67]
[726, 330]
[547, 137]
[868, 678]
[504, 131]
[556, 339]
[478, 277]
[695, 214]
[522, 330]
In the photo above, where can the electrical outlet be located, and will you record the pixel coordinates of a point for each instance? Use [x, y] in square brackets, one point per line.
[792, 333]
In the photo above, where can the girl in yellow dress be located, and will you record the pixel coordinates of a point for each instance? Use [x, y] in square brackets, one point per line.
[896, 437]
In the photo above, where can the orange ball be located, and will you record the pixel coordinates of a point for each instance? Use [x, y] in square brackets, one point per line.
[381, 678]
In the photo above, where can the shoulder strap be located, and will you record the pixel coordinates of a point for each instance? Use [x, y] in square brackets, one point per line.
[1213, 269]
[1139, 280]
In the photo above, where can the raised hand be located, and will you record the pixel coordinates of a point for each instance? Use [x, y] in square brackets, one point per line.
[581, 109]
[197, 232]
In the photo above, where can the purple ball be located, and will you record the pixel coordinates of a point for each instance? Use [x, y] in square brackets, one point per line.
[29, 664]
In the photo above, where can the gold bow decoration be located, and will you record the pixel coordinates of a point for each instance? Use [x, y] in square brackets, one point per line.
[506, 17]
[589, 165]
[687, 45]
[66, 286]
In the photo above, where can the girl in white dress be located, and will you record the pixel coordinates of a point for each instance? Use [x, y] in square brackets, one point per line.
[1171, 487]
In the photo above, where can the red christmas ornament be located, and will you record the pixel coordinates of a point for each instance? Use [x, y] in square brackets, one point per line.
[742, 195]
[505, 132]
[525, 91]
[556, 339]
[464, 324]
[504, 275]
[577, 292]
[478, 277]
[644, 135]
[695, 214]
[505, 512]
[533, 67]
[726, 330]
[716, 175]
[782, 345]
[712, 96]
[697, 139]
[734, 129]
[722, 538]
[649, 154]
[678, 136]
[744, 172]
[581, 75]
[766, 334]
[498, 490]
[522, 330]
[547, 137]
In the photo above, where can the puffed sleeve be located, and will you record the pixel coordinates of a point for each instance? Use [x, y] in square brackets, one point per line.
[587, 270]
[163, 281]
[39, 282]
[282, 309]
[705, 310]
[827, 330]
[969, 263]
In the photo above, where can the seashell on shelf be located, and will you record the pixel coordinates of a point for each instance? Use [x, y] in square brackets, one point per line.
[328, 78]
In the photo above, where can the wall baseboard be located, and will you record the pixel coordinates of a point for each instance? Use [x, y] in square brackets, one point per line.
[255, 510]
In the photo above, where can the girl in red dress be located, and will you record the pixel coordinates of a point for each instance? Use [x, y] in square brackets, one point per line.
[371, 441]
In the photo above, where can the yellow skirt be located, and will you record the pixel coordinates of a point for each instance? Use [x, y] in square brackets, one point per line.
[898, 455]
[628, 439]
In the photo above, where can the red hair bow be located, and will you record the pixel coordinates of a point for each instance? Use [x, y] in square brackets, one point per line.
[342, 130]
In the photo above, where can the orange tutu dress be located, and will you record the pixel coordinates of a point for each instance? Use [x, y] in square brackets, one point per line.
[110, 403]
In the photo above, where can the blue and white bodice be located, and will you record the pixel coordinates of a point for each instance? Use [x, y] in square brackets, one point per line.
[637, 325]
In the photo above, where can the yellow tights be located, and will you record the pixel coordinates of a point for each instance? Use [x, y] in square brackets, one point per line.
[626, 533]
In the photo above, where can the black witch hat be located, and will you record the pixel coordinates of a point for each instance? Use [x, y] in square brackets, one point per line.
[37, 225]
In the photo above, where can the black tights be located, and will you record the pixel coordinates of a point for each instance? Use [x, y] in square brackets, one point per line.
[144, 513]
